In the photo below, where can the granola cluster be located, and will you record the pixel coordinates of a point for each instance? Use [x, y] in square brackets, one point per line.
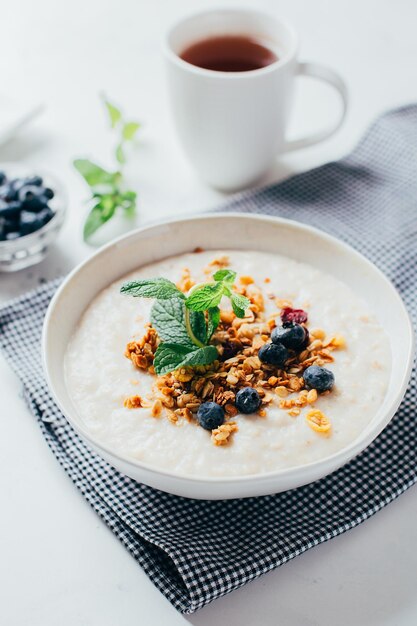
[142, 352]
[180, 393]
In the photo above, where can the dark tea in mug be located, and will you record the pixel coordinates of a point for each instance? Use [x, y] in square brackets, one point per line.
[229, 53]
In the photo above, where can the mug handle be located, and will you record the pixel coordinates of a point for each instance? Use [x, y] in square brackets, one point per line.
[327, 75]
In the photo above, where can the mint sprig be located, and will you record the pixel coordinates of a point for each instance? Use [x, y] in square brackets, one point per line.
[206, 297]
[213, 320]
[108, 192]
[239, 304]
[171, 356]
[159, 288]
[126, 130]
[185, 324]
[167, 317]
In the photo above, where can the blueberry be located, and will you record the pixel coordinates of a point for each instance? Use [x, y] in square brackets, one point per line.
[14, 187]
[291, 335]
[273, 354]
[34, 180]
[10, 210]
[32, 198]
[8, 192]
[210, 415]
[248, 400]
[12, 235]
[45, 216]
[11, 223]
[29, 222]
[48, 193]
[318, 378]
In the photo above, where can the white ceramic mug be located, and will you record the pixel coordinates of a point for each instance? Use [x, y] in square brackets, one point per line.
[232, 124]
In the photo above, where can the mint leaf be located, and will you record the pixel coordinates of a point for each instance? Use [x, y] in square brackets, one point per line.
[129, 196]
[103, 189]
[198, 325]
[239, 304]
[213, 321]
[160, 288]
[129, 130]
[129, 208]
[201, 356]
[108, 205]
[127, 201]
[108, 195]
[170, 357]
[98, 216]
[114, 113]
[204, 298]
[227, 276]
[120, 155]
[93, 174]
[167, 317]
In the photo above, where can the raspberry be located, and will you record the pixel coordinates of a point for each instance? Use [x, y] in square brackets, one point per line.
[293, 315]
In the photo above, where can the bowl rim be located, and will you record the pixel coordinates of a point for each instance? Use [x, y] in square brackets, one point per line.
[297, 472]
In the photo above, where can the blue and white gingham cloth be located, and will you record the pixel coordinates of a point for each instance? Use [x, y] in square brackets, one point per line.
[369, 200]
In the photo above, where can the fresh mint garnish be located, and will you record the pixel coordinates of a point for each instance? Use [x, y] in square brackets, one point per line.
[207, 297]
[239, 304]
[185, 324]
[225, 276]
[159, 288]
[199, 326]
[213, 319]
[108, 192]
[167, 317]
[171, 356]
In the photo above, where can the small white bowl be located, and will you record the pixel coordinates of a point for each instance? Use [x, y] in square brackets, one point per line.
[31, 249]
[232, 231]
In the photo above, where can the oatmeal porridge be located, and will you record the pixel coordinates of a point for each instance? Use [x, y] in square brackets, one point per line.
[228, 363]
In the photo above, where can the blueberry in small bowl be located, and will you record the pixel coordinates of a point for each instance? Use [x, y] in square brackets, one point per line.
[32, 211]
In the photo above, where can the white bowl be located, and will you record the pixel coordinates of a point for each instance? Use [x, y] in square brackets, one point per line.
[236, 231]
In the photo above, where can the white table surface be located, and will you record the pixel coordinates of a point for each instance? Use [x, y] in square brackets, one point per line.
[59, 564]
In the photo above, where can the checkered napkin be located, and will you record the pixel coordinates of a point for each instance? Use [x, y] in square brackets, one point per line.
[368, 199]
